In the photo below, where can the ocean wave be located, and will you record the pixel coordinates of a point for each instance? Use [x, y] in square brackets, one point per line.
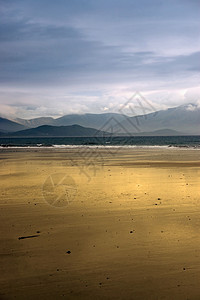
[41, 146]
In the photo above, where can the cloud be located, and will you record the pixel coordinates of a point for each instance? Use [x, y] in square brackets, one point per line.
[95, 49]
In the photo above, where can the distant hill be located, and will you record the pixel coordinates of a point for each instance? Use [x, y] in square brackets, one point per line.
[96, 121]
[184, 118]
[32, 123]
[57, 131]
[9, 126]
[80, 131]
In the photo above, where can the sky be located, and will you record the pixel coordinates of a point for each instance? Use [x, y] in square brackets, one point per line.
[79, 56]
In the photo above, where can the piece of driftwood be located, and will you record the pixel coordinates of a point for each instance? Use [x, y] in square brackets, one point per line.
[28, 237]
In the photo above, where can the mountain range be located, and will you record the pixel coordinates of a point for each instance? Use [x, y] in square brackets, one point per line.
[184, 119]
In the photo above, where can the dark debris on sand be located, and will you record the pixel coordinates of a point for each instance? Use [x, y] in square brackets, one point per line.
[28, 237]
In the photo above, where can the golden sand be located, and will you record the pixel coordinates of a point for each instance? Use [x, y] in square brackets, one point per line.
[122, 225]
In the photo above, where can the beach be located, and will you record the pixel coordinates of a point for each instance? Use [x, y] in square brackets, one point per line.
[100, 223]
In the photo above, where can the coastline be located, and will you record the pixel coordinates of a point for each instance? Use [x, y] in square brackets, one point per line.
[190, 142]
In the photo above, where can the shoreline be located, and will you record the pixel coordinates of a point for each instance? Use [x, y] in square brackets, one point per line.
[122, 147]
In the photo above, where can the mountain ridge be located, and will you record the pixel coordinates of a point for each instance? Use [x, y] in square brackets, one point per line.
[57, 131]
[184, 118]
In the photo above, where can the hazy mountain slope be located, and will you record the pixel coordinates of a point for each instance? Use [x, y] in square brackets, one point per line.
[54, 131]
[97, 121]
[32, 123]
[9, 126]
[185, 118]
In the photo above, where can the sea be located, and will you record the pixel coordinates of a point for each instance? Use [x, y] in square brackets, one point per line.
[109, 141]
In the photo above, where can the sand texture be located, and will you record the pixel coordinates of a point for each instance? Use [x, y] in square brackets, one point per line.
[100, 224]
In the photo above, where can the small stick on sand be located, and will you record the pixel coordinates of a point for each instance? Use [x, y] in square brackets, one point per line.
[27, 237]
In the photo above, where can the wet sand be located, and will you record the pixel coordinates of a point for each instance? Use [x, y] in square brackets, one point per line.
[121, 225]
